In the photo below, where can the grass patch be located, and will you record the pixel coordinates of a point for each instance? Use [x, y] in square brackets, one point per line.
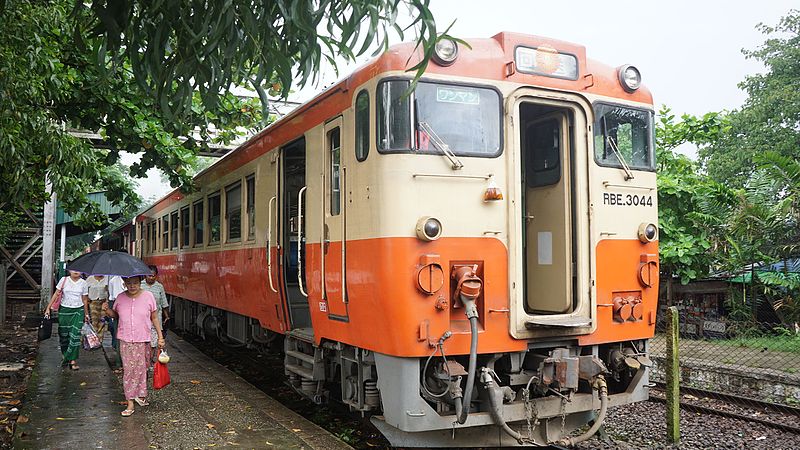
[789, 344]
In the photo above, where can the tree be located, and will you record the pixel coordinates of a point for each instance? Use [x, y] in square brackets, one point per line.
[769, 120]
[156, 78]
[685, 237]
[52, 80]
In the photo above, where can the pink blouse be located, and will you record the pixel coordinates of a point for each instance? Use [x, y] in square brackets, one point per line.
[134, 316]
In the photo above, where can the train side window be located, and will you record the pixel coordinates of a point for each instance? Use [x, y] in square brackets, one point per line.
[394, 116]
[174, 229]
[543, 153]
[185, 226]
[153, 236]
[362, 125]
[213, 218]
[199, 230]
[251, 207]
[334, 147]
[146, 243]
[141, 238]
[233, 212]
[165, 233]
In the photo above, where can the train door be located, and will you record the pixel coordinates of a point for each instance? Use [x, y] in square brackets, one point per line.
[291, 234]
[547, 209]
[334, 240]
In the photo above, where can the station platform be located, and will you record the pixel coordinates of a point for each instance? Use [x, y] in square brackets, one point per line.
[206, 405]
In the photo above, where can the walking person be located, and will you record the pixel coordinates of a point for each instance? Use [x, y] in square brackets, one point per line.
[152, 285]
[115, 287]
[98, 294]
[136, 312]
[73, 312]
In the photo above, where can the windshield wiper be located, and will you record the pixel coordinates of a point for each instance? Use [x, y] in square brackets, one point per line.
[610, 142]
[439, 143]
[613, 145]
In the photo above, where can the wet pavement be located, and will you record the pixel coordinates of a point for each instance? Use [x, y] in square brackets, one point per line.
[206, 405]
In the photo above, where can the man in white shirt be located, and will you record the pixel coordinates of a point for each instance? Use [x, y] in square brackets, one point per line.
[115, 287]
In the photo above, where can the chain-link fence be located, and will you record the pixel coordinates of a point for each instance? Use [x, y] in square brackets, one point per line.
[743, 368]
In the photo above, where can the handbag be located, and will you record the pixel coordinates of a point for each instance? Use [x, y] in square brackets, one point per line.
[160, 375]
[45, 329]
[59, 293]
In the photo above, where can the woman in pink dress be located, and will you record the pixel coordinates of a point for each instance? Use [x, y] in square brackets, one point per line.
[136, 313]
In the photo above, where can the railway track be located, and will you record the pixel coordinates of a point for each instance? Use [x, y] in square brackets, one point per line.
[703, 401]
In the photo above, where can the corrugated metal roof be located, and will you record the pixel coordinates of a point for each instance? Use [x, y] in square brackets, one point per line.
[791, 265]
[97, 197]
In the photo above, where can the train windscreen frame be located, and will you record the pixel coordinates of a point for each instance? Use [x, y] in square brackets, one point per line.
[468, 118]
[630, 130]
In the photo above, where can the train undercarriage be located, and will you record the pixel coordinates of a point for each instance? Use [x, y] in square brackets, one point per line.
[535, 397]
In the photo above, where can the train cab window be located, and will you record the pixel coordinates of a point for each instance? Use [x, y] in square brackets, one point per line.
[465, 118]
[197, 218]
[542, 141]
[213, 218]
[334, 146]
[165, 233]
[185, 226]
[394, 116]
[362, 126]
[173, 229]
[624, 133]
[233, 212]
[251, 207]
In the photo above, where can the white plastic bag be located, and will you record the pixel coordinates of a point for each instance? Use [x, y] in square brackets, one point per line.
[91, 340]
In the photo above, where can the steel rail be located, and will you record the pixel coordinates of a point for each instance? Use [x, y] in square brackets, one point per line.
[739, 400]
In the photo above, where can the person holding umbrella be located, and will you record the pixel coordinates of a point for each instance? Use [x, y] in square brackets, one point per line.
[136, 312]
[73, 312]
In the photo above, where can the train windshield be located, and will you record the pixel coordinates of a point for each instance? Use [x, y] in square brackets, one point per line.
[624, 137]
[465, 118]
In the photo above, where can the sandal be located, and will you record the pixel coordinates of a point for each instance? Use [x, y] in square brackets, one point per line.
[141, 401]
[127, 412]
[74, 365]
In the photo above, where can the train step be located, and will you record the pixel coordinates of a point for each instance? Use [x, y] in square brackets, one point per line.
[562, 322]
[303, 334]
[301, 356]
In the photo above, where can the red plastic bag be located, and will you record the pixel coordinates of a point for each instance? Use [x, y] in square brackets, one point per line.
[160, 375]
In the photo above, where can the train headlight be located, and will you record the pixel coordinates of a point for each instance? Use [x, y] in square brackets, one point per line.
[445, 52]
[630, 78]
[648, 232]
[429, 228]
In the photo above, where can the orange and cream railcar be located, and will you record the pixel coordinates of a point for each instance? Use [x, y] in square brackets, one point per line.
[474, 263]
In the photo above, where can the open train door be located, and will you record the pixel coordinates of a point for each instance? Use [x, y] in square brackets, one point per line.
[290, 234]
[549, 200]
[334, 239]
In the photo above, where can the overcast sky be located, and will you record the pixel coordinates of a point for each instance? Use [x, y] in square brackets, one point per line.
[689, 52]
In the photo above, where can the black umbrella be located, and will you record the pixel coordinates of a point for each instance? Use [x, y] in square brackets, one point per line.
[107, 262]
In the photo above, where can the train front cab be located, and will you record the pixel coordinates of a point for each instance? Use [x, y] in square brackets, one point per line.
[580, 286]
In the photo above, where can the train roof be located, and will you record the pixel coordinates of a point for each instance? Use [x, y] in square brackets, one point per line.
[488, 58]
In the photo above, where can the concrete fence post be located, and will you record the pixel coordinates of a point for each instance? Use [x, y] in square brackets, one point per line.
[673, 376]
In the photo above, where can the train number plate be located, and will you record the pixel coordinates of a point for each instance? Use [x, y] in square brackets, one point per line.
[616, 199]
[323, 306]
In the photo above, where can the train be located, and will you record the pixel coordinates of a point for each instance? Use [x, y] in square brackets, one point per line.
[469, 258]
